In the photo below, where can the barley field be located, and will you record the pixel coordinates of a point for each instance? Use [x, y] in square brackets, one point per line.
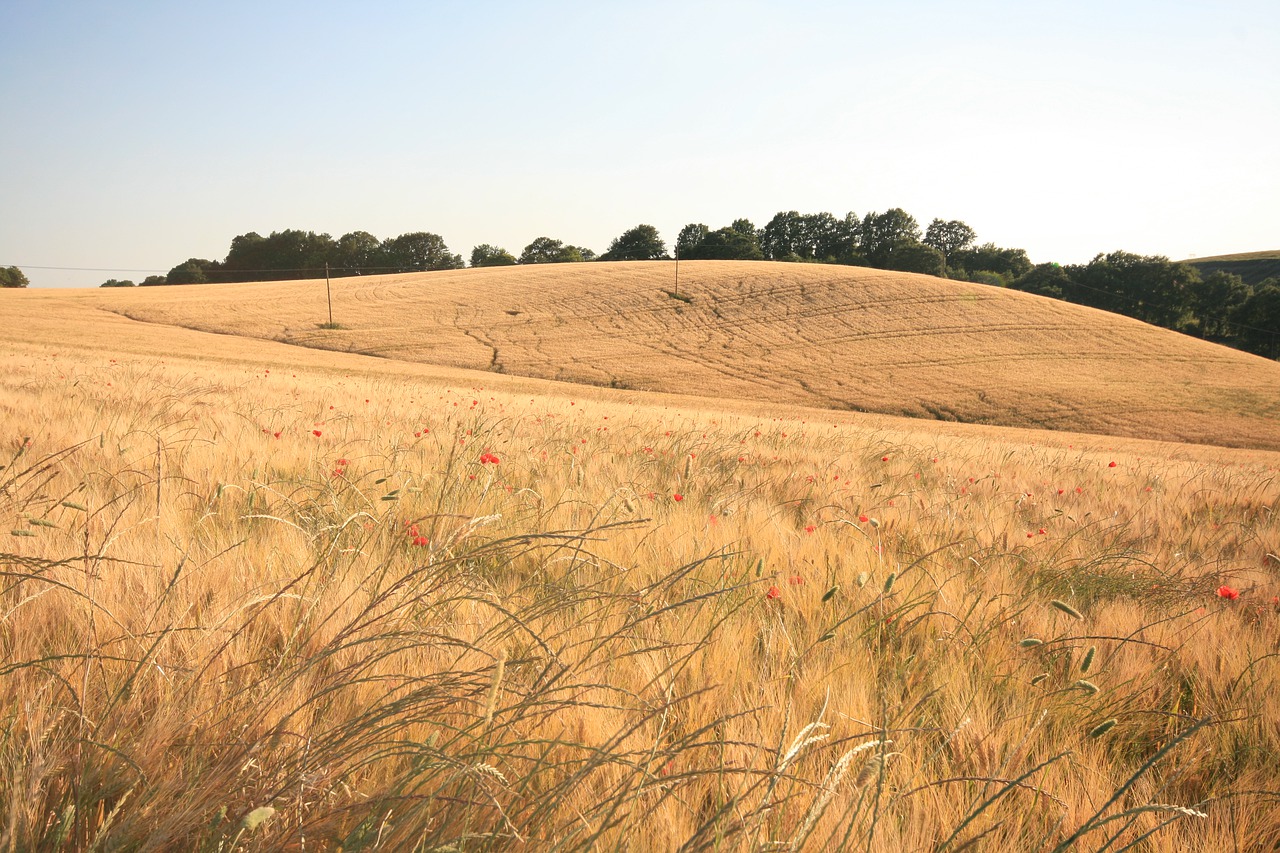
[257, 597]
[844, 338]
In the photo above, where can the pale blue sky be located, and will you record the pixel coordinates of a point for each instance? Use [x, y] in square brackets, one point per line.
[140, 134]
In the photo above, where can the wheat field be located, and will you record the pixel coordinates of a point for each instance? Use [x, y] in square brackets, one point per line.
[844, 338]
[258, 597]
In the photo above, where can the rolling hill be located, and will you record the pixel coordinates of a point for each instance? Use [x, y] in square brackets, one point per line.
[372, 603]
[841, 338]
[1253, 267]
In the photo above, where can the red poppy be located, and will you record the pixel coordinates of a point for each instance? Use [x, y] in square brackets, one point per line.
[810, 528]
[316, 433]
[863, 519]
[773, 592]
[795, 580]
[677, 497]
[1228, 593]
[1111, 464]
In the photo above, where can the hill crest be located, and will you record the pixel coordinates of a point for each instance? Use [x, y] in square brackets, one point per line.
[844, 338]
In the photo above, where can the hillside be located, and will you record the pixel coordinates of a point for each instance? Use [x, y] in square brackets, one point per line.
[832, 337]
[1253, 267]
[260, 597]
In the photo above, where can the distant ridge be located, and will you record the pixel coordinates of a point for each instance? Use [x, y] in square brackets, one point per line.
[1253, 267]
[843, 338]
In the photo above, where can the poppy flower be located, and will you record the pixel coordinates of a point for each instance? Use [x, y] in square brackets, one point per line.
[1111, 464]
[677, 497]
[1228, 593]
[810, 528]
[863, 519]
[773, 593]
[316, 433]
[795, 580]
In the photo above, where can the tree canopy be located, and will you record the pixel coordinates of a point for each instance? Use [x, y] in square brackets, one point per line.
[949, 237]
[641, 243]
[12, 277]
[736, 242]
[545, 250]
[486, 255]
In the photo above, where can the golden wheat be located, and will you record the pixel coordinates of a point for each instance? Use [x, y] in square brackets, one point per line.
[268, 598]
[844, 338]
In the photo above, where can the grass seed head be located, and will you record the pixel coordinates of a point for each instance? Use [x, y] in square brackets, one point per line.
[1066, 608]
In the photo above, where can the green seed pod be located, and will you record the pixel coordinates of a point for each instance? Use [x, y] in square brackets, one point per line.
[1039, 678]
[831, 593]
[1066, 608]
[1088, 659]
[1031, 642]
[1087, 686]
[1102, 728]
[888, 583]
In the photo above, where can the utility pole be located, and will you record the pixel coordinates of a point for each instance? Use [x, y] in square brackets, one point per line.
[677, 291]
[327, 292]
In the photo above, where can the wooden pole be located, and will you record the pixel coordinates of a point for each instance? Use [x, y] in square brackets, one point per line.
[677, 291]
[327, 292]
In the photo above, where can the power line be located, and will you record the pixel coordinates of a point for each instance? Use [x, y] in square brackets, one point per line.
[82, 269]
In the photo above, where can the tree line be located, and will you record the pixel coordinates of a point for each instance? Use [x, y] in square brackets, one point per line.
[1218, 307]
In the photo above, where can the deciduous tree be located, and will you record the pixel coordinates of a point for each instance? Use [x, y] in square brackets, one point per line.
[783, 235]
[690, 237]
[357, 253]
[12, 277]
[545, 250]
[192, 271]
[727, 244]
[641, 243]
[420, 251]
[908, 256]
[1258, 319]
[883, 232]
[486, 255]
[1215, 300]
[949, 237]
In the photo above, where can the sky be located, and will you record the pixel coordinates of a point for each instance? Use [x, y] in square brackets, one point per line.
[140, 134]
